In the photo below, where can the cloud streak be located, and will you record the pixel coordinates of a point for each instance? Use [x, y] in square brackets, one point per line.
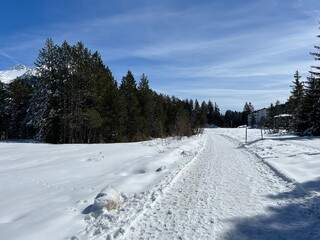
[192, 47]
[8, 57]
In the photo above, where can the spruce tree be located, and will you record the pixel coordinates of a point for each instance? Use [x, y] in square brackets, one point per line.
[247, 109]
[295, 102]
[311, 105]
[171, 106]
[183, 121]
[5, 110]
[160, 117]
[19, 91]
[147, 107]
[129, 95]
[210, 112]
[310, 108]
[43, 112]
[203, 113]
[197, 115]
[217, 118]
[110, 107]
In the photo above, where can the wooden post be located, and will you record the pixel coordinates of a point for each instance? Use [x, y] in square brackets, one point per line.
[261, 133]
[246, 138]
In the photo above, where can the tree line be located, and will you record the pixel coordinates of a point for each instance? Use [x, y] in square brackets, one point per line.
[75, 99]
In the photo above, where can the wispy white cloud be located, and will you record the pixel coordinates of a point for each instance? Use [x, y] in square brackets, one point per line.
[197, 47]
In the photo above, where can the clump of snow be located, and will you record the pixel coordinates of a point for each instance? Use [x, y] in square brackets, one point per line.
[108, 199]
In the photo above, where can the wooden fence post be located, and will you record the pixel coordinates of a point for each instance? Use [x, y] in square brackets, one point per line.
[246, 139]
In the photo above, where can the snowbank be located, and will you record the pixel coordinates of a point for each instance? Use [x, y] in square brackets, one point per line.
[297, 158]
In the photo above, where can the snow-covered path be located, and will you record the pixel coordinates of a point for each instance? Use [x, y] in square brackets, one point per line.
[227, 193]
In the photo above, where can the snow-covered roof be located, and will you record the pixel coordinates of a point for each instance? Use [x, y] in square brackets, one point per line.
[283, 115]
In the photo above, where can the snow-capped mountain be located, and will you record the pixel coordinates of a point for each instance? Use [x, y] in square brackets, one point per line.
[20, 70]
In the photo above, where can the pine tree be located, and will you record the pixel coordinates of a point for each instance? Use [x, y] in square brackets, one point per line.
[203, 113]
[217, 118]
[160, 117]
[247, 109]
[110, 107]
[43, 114]
[66, 68]
[197, 115]
[311, 105]
[274, 110]
[129, 94]
[171, 106]
[183, 121]
[295, 102]
[147, 106]
[5, 110]
[19, 91]
[210, 112]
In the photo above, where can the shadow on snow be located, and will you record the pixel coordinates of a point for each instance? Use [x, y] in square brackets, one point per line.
[297, 219]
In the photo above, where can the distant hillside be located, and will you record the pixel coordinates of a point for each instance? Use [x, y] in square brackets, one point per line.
[20, 70]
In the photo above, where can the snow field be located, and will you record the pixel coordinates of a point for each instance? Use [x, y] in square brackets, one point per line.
[206, 187]
[47, 190]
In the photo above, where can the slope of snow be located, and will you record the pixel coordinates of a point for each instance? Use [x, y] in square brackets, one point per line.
[45, 188]
[19, 70]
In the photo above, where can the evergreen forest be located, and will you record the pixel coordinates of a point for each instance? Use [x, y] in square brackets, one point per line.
[75, 99]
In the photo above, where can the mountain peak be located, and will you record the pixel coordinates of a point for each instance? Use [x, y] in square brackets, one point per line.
[19, 67]
[18, 70]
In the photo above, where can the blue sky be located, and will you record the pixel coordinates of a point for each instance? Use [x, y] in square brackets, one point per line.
[229, 51]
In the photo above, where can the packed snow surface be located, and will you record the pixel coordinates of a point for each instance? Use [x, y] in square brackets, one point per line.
[211, 186]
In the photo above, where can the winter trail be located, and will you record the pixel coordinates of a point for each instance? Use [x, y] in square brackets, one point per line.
[210, 198]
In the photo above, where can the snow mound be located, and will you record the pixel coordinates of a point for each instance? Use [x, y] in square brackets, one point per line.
[108, 199]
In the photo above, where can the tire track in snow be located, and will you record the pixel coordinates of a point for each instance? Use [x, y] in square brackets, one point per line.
[211, 195]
